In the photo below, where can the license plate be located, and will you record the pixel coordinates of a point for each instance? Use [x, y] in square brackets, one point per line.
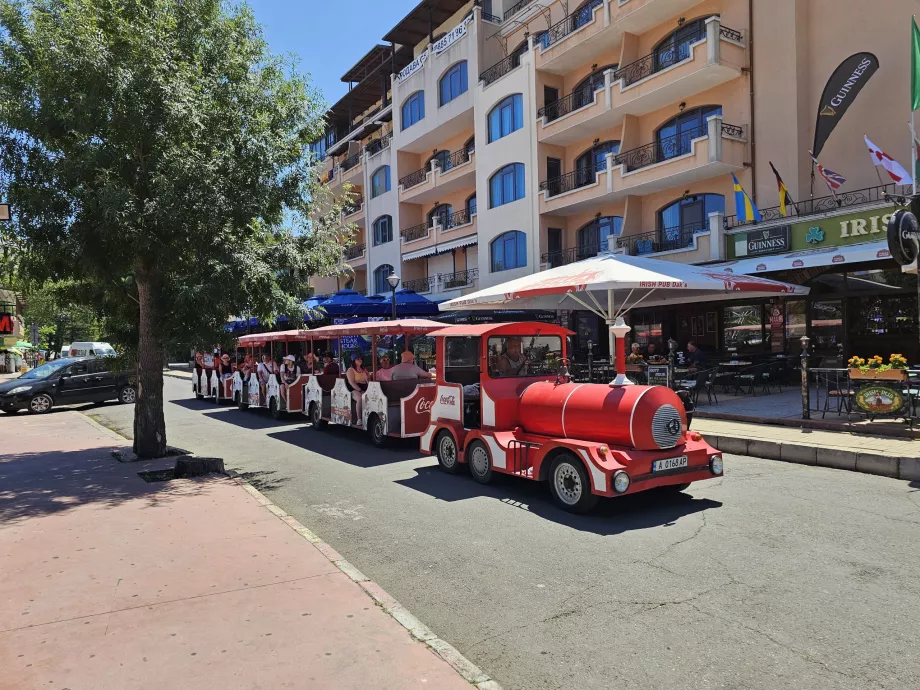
[669, 464]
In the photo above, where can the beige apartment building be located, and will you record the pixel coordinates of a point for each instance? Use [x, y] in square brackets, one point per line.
[489, 140]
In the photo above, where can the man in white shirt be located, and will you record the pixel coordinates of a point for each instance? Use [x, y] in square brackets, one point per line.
[408, 369]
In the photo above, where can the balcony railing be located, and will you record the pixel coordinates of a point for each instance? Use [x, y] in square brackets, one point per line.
[663, 240]
[486, 17]
[570, 23]
[378, 145]
[661, 59]
[355, 251]
[664, 149]
[568, 104]
[576, 179]
[420, 284]
[572, 254]
[500, 69]
[456, 158]
[349, 209]
[414, 179]
[859, 197]
[351, 161]
[416, 232]
[515, 8]
[452, 281]
[730, 34]
[455, 219]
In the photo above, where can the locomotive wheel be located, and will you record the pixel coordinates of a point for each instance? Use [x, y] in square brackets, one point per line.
[570, 485]
[316, 416]
[376, 430]
[274, 408]
[446, 449]
[216, 396]
[480, 462]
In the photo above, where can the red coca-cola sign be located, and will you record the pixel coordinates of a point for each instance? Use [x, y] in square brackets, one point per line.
[423, 406]
[416, 410]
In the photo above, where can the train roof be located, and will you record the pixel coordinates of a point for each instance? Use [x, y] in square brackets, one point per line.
[513, 328]
[412, 326]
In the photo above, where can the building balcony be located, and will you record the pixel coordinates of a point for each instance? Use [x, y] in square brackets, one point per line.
[353, 213]
[375, 146]
[444, 283]
[417, 233]
[356, 255]
[644, 86]
[427, 184]
[690, 156]
[352, 167]
[574, 40]
[440, 228]
[421, 285]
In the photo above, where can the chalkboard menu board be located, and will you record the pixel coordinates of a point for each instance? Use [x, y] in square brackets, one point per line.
[658, 375]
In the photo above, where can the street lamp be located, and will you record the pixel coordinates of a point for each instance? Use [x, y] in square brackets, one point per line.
[393, 280]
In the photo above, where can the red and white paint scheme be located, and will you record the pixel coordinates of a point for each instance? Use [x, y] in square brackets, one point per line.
[206, 382]
[397, 409]
[245, 390]
[504, 404]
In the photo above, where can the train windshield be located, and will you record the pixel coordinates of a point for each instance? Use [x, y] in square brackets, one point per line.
[516, 356]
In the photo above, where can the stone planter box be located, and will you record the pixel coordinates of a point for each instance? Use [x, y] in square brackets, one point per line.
[876, 375]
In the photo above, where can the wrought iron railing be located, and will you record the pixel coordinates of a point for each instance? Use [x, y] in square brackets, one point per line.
[584, 95]
[576, 179]
[452, 281]
[736, 131]
[416, 232]
[730, 34]
[414, 179]
[572, 254]
[570, 23]
[858, 197]
[420, 284]
[349, 209]
[456, 158]
[378, 145]
[500, 69]
[663, 149]
[455, 219]
[515, 8]
[351, 161]
[355, 251]
[486, 17]
[668, 239]
[661, 59]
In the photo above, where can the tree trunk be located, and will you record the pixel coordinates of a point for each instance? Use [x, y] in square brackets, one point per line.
[149, 422]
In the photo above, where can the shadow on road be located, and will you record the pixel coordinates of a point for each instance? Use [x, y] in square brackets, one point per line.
[197, 405]
[611, 516]
[253, 419]
[351, 445]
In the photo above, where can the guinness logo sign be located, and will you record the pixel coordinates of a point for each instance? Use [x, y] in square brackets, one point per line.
[827, 111]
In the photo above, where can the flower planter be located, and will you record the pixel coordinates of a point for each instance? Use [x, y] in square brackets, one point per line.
[876, 375]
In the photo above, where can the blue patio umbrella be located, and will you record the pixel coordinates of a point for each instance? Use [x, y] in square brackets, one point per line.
[410, 303]
[351, 303]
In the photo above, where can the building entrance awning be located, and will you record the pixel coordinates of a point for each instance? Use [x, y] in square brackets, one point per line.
[808, 258]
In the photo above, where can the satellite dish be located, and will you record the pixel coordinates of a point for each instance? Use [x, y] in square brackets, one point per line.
[903, 237]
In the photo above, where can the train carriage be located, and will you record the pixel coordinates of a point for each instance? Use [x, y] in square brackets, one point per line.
[279, 398]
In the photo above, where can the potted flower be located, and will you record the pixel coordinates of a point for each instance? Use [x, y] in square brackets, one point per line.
[875, 368]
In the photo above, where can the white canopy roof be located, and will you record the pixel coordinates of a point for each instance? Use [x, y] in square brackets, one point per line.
[610, 284]
[809, 258]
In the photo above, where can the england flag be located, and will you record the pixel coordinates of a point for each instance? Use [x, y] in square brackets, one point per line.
[895, 170]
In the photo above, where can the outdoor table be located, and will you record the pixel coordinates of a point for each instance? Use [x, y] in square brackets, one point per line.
[735, 363]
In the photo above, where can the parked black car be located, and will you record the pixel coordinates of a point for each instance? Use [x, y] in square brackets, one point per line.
[65, 382]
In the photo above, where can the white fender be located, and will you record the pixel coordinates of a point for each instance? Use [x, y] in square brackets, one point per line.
[341, 403]
[312, 393]
[375, 402]
[253, 390]
[237, 385]
[272, 390]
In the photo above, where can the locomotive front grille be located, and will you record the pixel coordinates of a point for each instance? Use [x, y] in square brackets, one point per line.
[666, 427]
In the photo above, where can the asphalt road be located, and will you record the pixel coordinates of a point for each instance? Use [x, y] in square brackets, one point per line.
[774, 576]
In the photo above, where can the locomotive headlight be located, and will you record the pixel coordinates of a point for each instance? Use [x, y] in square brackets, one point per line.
[715, 464]
[620, 482]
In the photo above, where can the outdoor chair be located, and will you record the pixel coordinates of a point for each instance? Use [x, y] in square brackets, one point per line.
[837, 384]
[747, 379]
[710, 385]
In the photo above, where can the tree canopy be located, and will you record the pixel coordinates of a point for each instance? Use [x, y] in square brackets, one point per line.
[156, 157]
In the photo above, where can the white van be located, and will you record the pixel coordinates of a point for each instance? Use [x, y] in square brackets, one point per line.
[91, 350]
[65, 352]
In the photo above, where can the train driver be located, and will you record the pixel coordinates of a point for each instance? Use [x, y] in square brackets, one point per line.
[512, 361]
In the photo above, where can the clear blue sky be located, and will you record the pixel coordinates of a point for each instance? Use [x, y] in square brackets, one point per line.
[329, 36]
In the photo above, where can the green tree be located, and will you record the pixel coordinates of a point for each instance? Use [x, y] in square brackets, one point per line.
[154, 153]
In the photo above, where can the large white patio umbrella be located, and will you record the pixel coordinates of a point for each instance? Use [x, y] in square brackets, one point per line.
[609, 285]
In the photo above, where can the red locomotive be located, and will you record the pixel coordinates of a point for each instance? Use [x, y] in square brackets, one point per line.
[504, 404]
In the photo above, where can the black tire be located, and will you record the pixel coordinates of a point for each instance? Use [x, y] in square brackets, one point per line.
[480, 461]
[674, 488]
[241, 401]
[127, 395]
[198, 396]
[41, 404]
[570, 485]
[445, 448]
[376, 430]
[275, 409]
[316, 416]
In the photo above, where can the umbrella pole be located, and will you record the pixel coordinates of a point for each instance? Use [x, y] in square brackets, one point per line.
[617, 330]
[610, 313]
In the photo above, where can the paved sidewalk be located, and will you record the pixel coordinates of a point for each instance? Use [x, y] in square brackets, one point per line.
[111, 582]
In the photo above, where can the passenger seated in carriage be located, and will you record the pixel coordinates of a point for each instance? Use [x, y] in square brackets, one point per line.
[357, 377]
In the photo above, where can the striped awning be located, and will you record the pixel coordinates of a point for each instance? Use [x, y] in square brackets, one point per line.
[441, 248]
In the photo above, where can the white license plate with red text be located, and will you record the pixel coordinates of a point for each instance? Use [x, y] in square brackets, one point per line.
[669, 464]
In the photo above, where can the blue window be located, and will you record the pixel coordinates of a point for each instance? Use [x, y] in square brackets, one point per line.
[679, 221]
[453, 83]
[585, 13]
[383, 230]
[674, 136]
[471, 205]
[381, 273]
[676, 47]
[413, 109]
[506, 117]
[599, 235]
[509, 250]
[542, 39]
[380, 181]
[506, 185]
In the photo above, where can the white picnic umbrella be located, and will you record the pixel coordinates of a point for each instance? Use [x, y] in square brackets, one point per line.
[602, 282]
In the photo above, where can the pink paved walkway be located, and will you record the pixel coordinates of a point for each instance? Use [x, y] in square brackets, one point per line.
[110, 582]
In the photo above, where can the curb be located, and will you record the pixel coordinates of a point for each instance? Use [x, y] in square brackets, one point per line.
[178, 375]
[795, 422]
[467, 669]
[907, 468]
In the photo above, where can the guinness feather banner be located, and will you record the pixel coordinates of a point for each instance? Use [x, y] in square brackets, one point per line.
[840, 91]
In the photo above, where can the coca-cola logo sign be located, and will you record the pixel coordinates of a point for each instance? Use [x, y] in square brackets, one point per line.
[423, 406]
[449, 400]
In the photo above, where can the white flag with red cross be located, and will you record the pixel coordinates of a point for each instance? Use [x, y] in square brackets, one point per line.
[895, 170]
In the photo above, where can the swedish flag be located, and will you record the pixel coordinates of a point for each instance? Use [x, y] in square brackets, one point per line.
[744, 207]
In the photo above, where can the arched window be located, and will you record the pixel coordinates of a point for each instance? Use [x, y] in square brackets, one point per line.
[441, 212]
[470, 146]
[452, 84]
[583, 93]
[443, 159]
[471, 205]
[506, 117]
[595, 159]
[381, 273]
[383, 230]
[584, 13]
[681, 219]
[380, 181]
[674, 136]
[541, 38]
[413, 109]
[676, 47]
[509, 250]
[506, 185]
[595, 236]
